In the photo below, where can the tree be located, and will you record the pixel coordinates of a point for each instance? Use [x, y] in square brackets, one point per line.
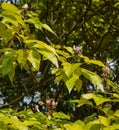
[41, 66]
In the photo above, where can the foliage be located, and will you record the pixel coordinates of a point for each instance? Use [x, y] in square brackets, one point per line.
[36, 61]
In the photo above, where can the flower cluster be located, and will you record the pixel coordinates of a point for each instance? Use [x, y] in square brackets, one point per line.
[77, 49]
[50, 103]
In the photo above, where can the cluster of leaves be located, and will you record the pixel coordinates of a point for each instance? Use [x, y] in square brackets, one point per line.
[29, 65]
[25, 120]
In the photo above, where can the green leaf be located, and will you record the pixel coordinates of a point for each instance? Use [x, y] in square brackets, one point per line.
[60, 115]
[8, 65]
[12, 14]
[71, 68]
[96, 62]
[103, 120]
[34, 58]
[70, 82]
[22, 57]
[63, 53]
[5, 33]
[67, 68]
[93, 77]
[49, 55]
[14, 19]
[17, 124]
[45, 26]
[88, 96]
[47, 51]
[69, 49]
[99, 99]
[2, 126]
[9, 18]
[74, 126]
[59, 74]
[38, 24]
[4, 118]
[35, 21]
[78, 84]
[10, 8]
[40, 45]
[114, 86]
[116, 113]
[31, 122]
[91, 124]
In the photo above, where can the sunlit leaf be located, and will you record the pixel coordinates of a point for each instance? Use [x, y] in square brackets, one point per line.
[78, 84]
[50, 56]
[45, 26]
[104, 120]
[10, 8]
[8, 65]
[22, 57]
[69, 49]
[34, 58]
[116, 113]
[61, 115]
[67, 68]
[71, 68]
[74, 126]
[93, 77]
[40, 44]
[35, 21]
[70, 82]
[96, 62]
[5, 33]
[99, 99]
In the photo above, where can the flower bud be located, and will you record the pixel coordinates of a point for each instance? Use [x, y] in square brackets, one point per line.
[25, 6]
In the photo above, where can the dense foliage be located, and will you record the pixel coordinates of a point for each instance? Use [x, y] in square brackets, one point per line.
[59, 65]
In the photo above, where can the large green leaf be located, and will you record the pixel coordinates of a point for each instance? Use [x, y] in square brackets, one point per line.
[78, 84]
[96, 62]
[71, 68]
[2, 126]
[49, 55]
[22, 57]
[12, 18]
[35, 21]
[69, 49]
[90, 124]
[12, 14]
[10, 8]
[93, 77]
[63, 53]
[47, 51]
[105, 121]
[40, 44]
[9, 18]
[78, 125]
[99, 99]
[38, 24]
[116, 113]
[60, 115]
[34, 58]
[45, 26]
[67, 68]
[72, 73]
[8, 65]
[5, 33]
[70, 82]
[59, 74]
